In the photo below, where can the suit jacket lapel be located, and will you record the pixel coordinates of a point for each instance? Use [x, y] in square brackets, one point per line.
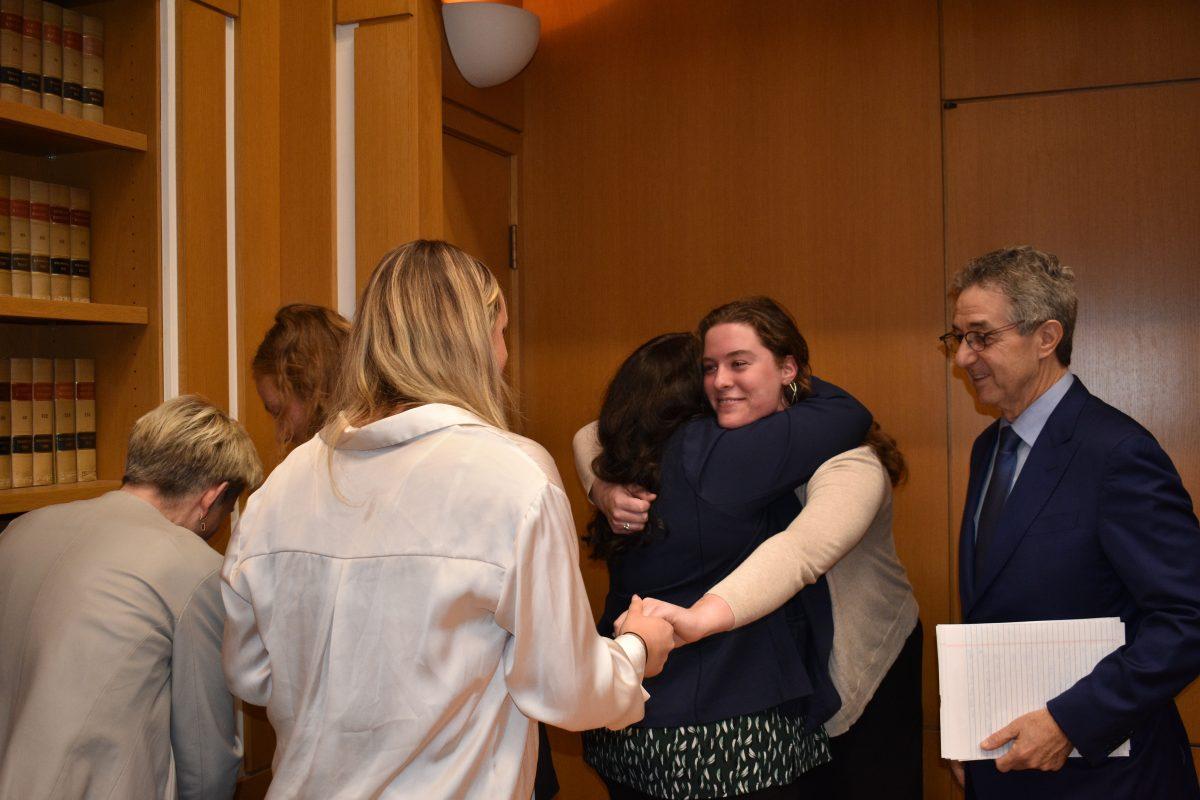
[980, 454]
[1040, 476]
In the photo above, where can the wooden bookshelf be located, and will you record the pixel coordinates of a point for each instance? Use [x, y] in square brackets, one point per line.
[24, 309]
[18, 501]
[118, 162]
[37, 132]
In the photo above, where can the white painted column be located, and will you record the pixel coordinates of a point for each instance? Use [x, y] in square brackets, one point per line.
[347, 289]
[169, 224]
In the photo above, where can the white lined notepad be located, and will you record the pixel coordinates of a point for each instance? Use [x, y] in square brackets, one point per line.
[992, 673]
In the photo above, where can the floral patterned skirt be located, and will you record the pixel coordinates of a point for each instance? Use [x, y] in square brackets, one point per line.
[716, 759]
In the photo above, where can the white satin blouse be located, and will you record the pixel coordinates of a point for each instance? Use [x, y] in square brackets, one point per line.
[405, 636]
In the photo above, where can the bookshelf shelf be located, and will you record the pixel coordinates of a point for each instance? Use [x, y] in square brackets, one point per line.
[34, 131]
[18, 501]
[24, 309]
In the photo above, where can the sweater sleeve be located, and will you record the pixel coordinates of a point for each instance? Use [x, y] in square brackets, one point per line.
[844, 497]
[586, 446]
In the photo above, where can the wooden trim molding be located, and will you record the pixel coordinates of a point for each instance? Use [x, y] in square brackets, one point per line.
[350, 11]
[230, 8]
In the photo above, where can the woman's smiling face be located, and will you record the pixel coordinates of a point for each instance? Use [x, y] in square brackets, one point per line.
[742, 378]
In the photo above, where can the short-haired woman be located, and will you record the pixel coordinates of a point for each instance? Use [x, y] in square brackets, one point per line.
[111, 620]
[295, 369]
[404, 593]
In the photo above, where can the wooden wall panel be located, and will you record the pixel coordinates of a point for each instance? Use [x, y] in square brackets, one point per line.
[259, 210]
[203, 321]
[397, 133]
[306, 153]
[994, 47]
[1110, 182]
[681, 154]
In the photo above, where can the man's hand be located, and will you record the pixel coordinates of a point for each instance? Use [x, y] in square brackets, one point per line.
[626, 507]
[1038, 743]
[655, 632]
[960, 775]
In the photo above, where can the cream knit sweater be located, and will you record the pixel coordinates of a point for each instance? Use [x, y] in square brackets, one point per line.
[844, 532]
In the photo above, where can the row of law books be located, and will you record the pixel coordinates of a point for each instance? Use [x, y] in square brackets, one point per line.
[47, 421]
[52, 57]
[45, 240]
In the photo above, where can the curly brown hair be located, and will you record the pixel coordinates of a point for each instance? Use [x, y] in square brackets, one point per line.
[302, 355]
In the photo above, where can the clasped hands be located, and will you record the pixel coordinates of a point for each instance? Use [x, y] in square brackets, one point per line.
[663, 626]
[628, 509]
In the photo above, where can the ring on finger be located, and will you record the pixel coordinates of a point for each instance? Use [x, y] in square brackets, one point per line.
[625, 525]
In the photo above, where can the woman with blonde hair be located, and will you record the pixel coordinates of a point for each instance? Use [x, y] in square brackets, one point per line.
[404, 593]
[295, 369]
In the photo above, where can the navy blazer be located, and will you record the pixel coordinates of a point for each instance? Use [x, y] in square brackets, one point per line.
[720, 496]
[1098, 524]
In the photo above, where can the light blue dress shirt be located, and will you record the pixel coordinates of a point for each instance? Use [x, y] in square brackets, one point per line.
[1028, 426]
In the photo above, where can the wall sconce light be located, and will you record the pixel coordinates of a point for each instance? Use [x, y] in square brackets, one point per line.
[490, 42]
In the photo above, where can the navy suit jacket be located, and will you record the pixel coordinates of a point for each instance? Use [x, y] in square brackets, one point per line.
[1098, 524]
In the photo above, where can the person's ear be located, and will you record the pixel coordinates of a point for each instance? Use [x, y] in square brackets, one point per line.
[210, 497]
[1048, 335]
[789, 369]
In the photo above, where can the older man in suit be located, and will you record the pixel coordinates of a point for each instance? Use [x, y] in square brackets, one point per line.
[1073, 511]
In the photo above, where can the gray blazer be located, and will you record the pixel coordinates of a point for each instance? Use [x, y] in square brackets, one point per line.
[110, 657]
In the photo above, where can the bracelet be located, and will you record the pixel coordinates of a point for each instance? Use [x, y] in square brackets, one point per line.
[645, 649]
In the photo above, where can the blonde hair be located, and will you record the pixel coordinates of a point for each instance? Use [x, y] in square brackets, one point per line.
[187, 445]
[302, 355]
[422, 334]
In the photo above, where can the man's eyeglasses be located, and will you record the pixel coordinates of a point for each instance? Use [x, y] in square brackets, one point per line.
[976, 340]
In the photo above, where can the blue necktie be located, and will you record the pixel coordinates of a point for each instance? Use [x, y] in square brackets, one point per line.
[997, 492]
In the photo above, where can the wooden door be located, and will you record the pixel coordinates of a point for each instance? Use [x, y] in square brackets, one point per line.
[480, 206]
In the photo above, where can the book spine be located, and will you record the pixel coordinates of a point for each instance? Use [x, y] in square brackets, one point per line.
[18, 215]
[31, 53]
[39, 239]
[93, 68]
[52, 52]
[60, 242]
[10, 50]
[64, 421]
[85, 418]
[21, 372]
[43, 421]
[5, 242]
[81, 245]
[72, 36]
[5, 426]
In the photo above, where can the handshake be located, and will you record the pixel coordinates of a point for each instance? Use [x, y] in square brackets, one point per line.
[664, 626]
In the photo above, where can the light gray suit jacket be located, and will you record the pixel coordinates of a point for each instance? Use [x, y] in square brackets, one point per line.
[110, 657]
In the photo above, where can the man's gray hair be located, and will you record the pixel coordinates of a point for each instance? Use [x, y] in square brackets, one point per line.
[1037, 286]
